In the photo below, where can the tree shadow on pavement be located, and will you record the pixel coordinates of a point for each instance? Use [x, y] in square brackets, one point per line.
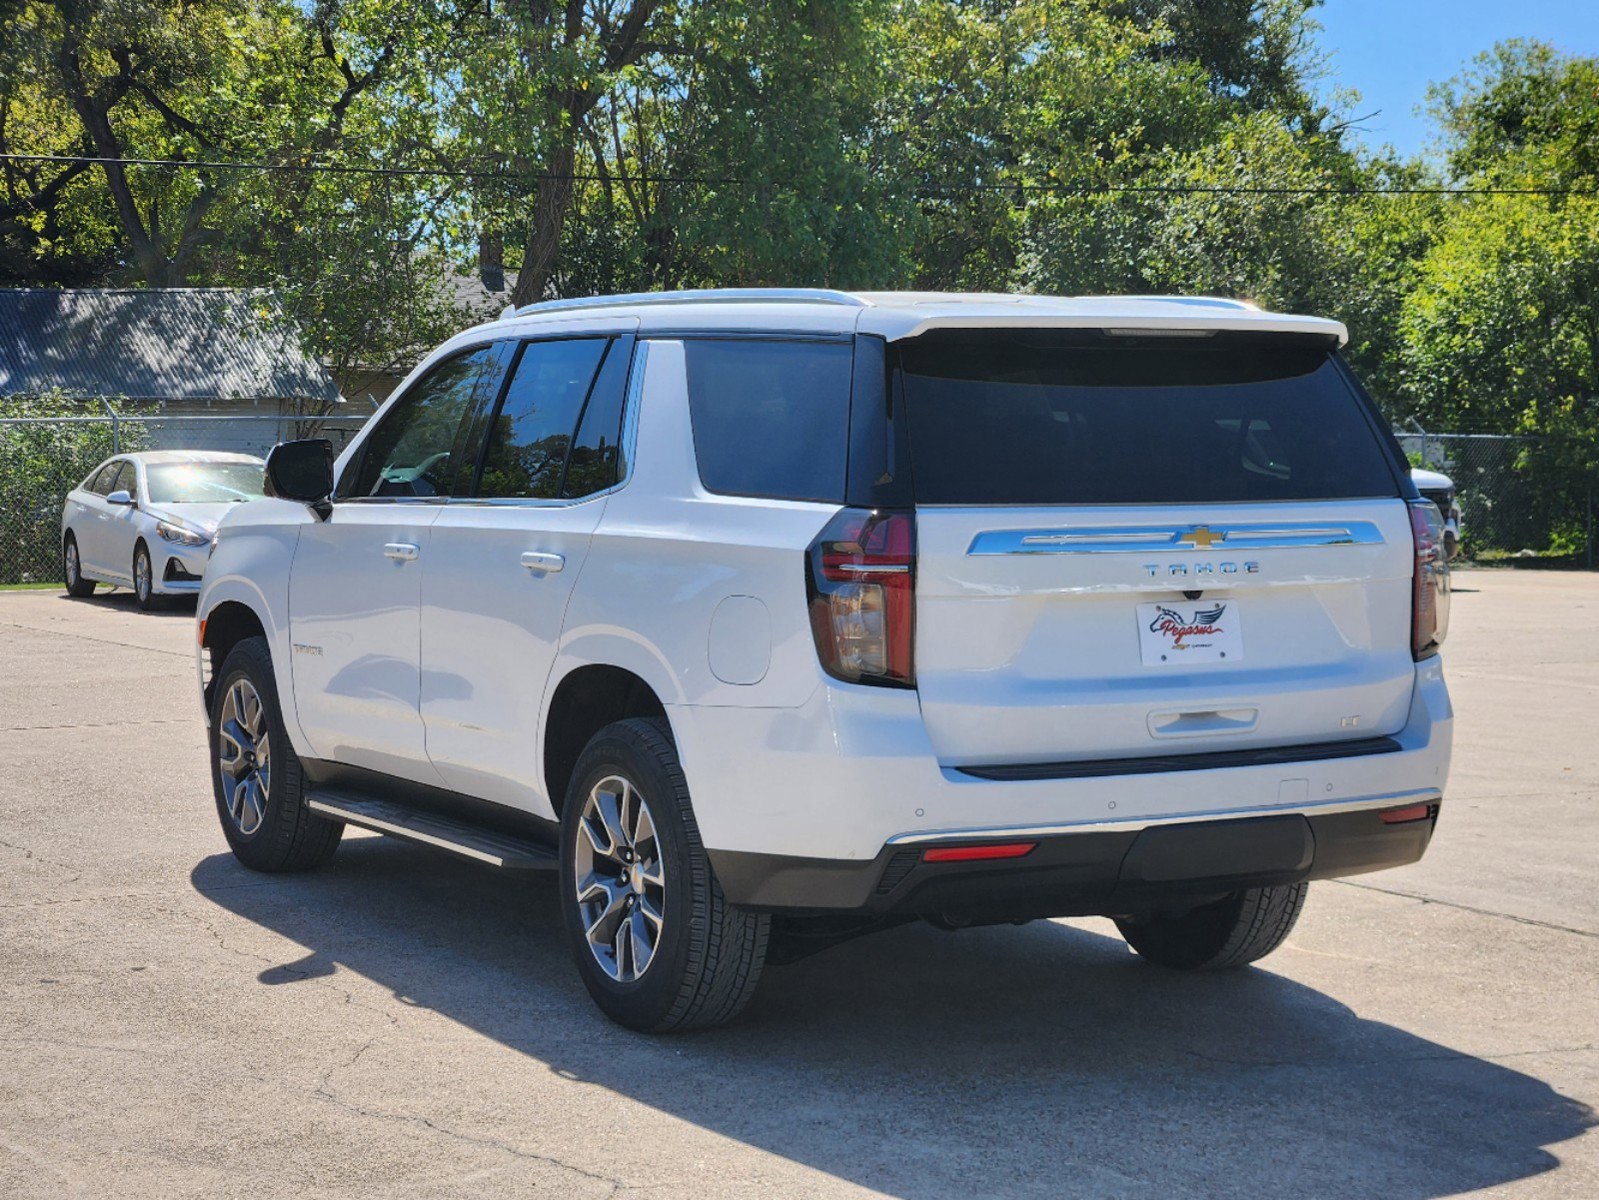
[1036, 1060]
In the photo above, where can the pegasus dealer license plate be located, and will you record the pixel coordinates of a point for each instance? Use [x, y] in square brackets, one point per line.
[1190, 632]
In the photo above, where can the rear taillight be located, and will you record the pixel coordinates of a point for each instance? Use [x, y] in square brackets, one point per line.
[861, 573]
[1429, 602]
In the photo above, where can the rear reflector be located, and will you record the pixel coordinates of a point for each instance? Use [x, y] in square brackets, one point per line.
[975, 853]
[1399, 816]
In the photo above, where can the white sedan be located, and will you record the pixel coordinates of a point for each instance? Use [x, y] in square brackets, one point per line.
[145, 520]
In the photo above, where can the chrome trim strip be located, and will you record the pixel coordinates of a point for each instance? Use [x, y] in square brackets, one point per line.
[872, 568]
[1126, 824]
[1127, 539]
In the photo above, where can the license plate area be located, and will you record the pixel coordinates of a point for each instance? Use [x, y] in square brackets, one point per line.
[1190, 631]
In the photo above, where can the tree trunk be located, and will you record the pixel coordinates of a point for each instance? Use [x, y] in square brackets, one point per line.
[549, 217]
[147, 251]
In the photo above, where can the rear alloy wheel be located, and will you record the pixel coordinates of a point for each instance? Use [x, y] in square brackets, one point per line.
[657, 944]
[1232, 932]
[144, 579]
[72, 570]
[620, 881]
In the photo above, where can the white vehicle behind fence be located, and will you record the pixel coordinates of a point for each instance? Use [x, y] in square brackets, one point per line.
[1440, 489]
[144, 521]
[769, 618]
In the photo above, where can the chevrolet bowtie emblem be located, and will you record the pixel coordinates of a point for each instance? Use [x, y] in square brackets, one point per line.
[1202, 537]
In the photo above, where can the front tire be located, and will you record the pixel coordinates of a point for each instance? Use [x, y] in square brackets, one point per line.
[144, 579]
[72, 569]
[1237, 930]
[255, 774]
[658, 946]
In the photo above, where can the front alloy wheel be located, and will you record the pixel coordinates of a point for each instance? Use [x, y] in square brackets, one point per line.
[256, 777]
[621, 882]
[244, 756]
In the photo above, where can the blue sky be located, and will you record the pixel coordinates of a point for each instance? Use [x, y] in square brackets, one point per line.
[1390, 51]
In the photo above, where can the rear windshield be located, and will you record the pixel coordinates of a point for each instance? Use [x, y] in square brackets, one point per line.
[1022, 417]
[204, 482]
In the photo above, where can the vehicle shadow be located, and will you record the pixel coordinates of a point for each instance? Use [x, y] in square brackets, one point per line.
[1038, 1060]
[122, 598]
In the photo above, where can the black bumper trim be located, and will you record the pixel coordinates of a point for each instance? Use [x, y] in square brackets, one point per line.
[1095, 873]
[1206, 761]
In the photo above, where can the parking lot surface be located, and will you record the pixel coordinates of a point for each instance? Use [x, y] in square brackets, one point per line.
[404, 1024]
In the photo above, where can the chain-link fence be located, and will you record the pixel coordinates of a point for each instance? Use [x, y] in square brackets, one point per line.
[44, 458]
[1519, 497]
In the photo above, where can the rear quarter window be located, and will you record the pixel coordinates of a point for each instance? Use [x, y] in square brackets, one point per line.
[770, 417]
[1033, 418]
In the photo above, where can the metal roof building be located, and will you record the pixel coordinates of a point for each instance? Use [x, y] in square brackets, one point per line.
[184, 348]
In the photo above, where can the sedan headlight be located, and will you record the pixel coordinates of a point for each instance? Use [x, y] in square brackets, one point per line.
[181, 535]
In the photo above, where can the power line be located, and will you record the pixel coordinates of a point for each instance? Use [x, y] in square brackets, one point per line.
[1085, 189]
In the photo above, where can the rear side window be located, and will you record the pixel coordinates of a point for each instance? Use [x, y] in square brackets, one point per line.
[596, 459]
[127, 480]
[100, 482]
[1023, 417]
[532, 430]
[771, 418]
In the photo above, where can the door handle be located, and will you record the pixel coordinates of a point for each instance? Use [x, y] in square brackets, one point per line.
[401, 551]
[548, 564]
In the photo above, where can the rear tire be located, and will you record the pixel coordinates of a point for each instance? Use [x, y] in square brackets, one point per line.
[633, 866]
[1240, 929]
[144, 579]
[72, 569]
[255, 774]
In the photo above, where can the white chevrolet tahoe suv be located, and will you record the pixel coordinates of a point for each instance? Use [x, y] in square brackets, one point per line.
[767, 618]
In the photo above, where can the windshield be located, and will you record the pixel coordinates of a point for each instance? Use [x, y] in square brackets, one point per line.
[1019, 417]
[204, 482]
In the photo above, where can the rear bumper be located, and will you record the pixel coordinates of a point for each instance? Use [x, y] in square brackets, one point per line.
[850, 775]
[1109, 872]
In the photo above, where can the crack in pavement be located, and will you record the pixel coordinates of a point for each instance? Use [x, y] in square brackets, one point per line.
[176, 892]
[1343, 1063]
[101, 725]
[324, 1089]
[615, 1185]
[87, 1047]
[1471, 908]
[83, 637]
[76, 873]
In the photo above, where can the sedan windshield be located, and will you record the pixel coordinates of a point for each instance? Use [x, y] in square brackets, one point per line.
[204, 482]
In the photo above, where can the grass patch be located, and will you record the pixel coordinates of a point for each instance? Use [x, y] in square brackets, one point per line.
[32, 587]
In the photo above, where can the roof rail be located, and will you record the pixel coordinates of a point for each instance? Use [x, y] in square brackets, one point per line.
[702, 296]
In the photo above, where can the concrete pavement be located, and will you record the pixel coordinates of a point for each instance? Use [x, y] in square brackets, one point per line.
[403, 1024]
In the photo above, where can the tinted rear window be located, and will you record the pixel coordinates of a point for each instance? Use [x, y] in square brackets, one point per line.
[771, 418]
[1019, 417]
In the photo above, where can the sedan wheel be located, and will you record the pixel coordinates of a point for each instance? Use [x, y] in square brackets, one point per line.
[72, 570]
[144, 579]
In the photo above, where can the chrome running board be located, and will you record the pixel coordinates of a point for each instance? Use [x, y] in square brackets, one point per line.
[432, 829]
